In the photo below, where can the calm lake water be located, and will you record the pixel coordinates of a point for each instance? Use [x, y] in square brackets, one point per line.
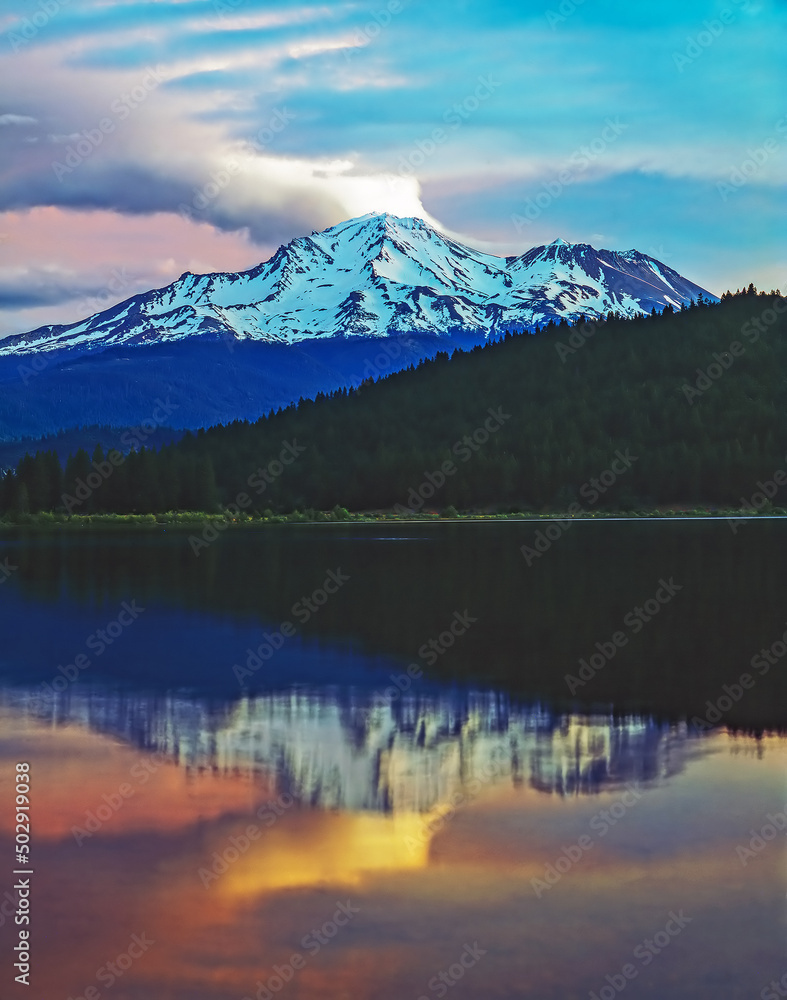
[378, 763]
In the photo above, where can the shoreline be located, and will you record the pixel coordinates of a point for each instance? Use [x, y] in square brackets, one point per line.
[193, 519]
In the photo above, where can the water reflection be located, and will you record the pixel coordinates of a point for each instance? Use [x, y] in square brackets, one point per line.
[436, 813]
[534, 624]
[375, 811]
[335, 749]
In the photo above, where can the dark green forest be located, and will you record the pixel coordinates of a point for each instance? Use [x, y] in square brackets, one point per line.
[695, 399]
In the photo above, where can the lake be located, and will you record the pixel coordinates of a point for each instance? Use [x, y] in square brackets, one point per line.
[391, 761]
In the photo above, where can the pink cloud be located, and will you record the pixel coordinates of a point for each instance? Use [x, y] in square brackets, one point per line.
[107, 257]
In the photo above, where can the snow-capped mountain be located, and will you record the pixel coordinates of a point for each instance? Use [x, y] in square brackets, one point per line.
[377, 276]
[360, 300]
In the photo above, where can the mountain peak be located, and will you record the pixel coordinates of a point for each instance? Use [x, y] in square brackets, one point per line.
[390, 221]
[374, 222]
[378, 275]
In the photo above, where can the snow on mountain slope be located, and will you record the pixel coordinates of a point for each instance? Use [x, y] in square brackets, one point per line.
[375, 276]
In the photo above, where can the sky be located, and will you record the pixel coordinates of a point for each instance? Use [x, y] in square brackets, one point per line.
[143, 138]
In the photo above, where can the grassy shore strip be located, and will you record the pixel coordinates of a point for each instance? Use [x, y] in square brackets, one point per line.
[190, 519]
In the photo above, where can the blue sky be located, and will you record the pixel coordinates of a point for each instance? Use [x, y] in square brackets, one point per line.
[142, 138]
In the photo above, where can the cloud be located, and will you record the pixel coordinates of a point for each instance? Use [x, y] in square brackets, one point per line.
[9, 119]
[141, 147]
[70, 264]
[25, 287]
[267, 121]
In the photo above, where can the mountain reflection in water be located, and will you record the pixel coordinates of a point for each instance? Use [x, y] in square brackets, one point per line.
[344, 750]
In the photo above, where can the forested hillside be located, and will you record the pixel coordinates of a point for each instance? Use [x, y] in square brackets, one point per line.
[696, 400]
